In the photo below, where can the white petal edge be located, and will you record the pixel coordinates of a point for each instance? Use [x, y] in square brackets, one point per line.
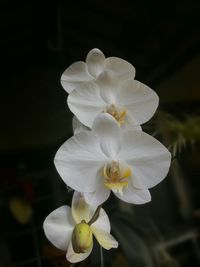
[149, 159]
[139, 99]
[97, 197]
[79, 160]
[103, 221]
[58, 227]
[86, 103]
[75, 74]
[109, 134]
[135, 196]
[120, 67]
[105, 239]
[76, 257]
[95, 62]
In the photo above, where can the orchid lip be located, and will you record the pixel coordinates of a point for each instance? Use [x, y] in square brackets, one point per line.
[116, 176]
[82, 237]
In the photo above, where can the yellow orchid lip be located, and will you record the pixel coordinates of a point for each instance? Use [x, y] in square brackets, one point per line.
[116, 177]
[82, 237]
[117, 113]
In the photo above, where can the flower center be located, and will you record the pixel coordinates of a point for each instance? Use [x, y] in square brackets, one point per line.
[116, 177]
[117, 113]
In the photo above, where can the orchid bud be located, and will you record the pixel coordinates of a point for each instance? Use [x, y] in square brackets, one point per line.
[81, 238]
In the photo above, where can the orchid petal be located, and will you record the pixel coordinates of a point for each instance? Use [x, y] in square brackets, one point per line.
[134, 196]
[99, 196]
[78, 126]
[140, 100]
[130, 123]
[80, 209]
[79, 160]
[75, 74]
[95, 62]
[86, 103]
[122, 69]
[58, 227]
[102, 222]
[109, 134]
[105, 239]
[108, 86]
[150, 160]
[76, 257]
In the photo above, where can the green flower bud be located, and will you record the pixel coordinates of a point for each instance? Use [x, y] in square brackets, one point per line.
[81, 238]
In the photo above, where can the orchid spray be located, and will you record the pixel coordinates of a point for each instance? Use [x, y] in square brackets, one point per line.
[108, 152]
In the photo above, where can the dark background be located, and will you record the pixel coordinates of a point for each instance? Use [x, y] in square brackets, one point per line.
[39, 40]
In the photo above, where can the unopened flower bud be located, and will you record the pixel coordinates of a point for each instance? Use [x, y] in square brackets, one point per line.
[82, 238]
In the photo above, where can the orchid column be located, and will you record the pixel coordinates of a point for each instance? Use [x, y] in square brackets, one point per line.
[109, 152]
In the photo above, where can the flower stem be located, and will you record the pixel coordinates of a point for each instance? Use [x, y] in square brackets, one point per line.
[95, 216]
[101, 256]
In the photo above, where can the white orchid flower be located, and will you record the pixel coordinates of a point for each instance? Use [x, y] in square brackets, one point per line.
[130, 102]
[72, 229]
[80, 72]
[107, 159]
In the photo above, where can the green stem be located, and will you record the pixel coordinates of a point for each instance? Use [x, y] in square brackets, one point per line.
[101, 256]
[95, 216]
